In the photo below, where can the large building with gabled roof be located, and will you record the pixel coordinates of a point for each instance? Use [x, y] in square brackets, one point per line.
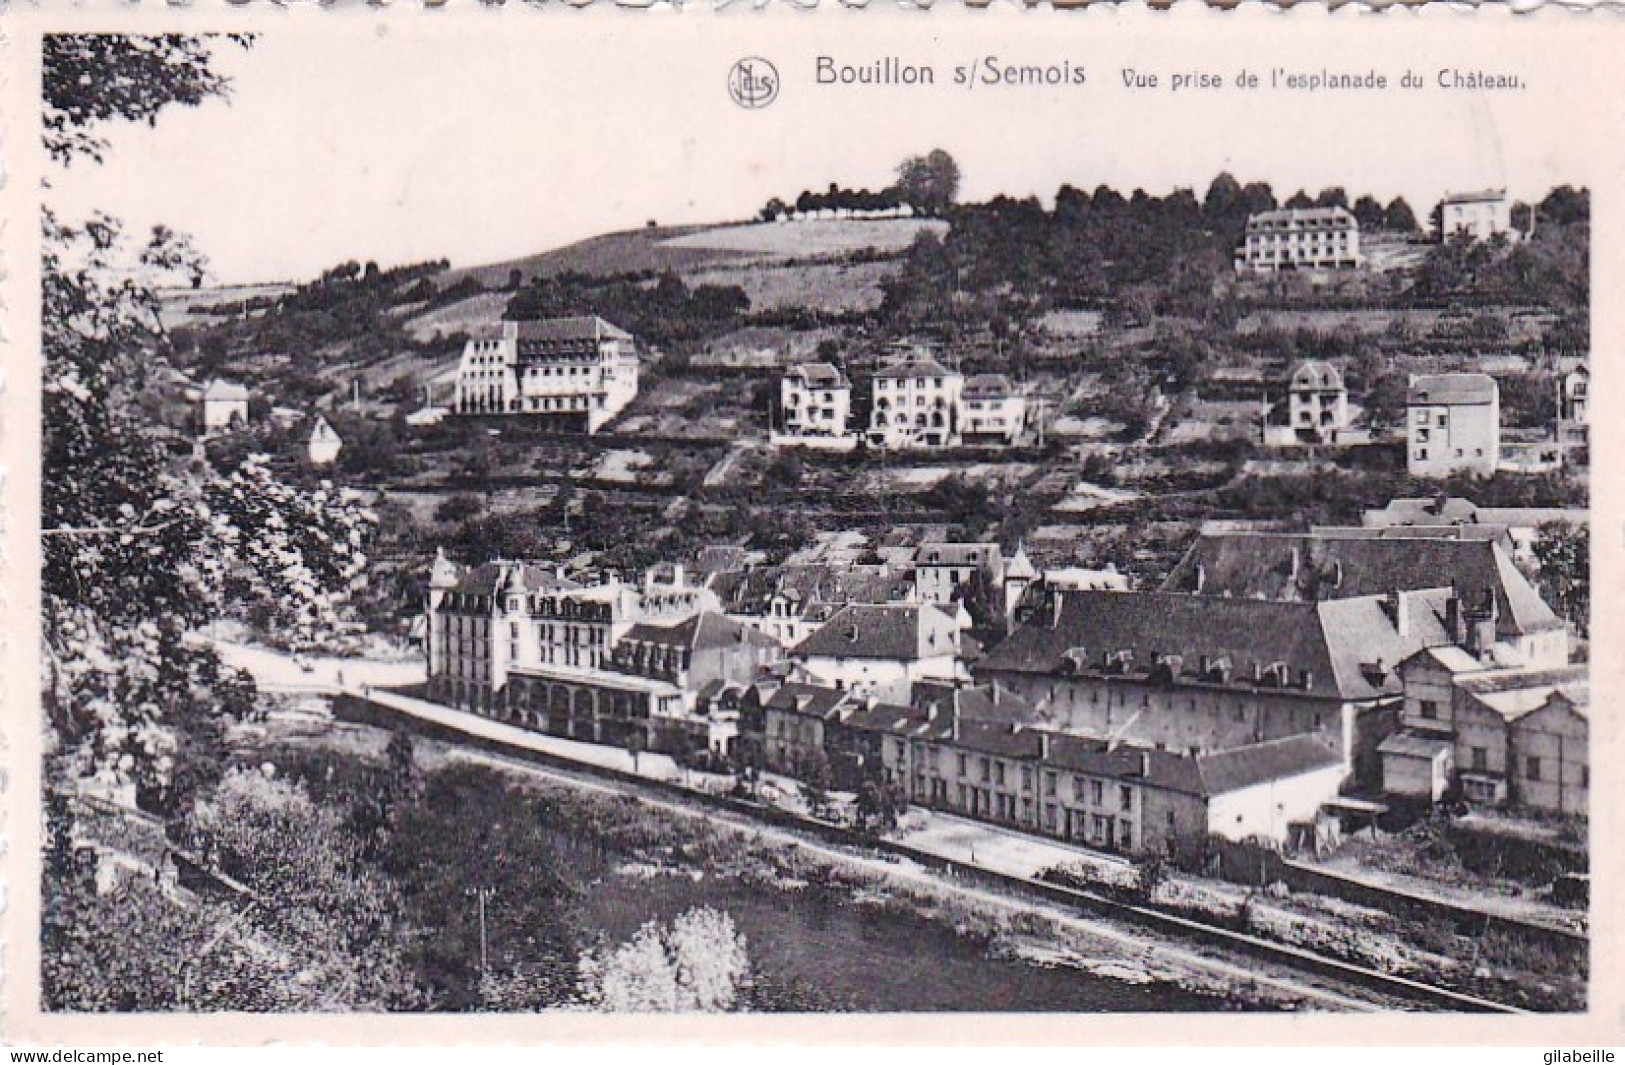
[884, 649]
[1498, 612]
[573, 374]
[916, 403]
[1202, 673]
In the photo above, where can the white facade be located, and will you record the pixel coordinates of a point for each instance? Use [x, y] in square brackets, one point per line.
[225, 404]
[815, 407]
[577, 372]
[324, 444]
[1317, 401]
[1322, 238]
[1480, 215]
[1453, 424]
[916, 404]
[991, 411]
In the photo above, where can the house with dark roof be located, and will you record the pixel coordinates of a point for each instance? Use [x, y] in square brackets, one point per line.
[573, 374]
[883, 649]
[992, 410]
[790, 602]
[815, 408]
[916, 403]
[1452, 424]
[1498, 612]
[1315, 410]
[1520, 525]
[1197, 673]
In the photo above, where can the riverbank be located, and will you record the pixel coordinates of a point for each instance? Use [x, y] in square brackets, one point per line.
[1001, 928]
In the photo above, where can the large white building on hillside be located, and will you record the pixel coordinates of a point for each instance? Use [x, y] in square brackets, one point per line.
[916, 404]
[1311, 238]
[574, 374]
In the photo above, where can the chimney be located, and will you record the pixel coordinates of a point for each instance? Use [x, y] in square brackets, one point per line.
[1399, 608]
[1043, 746]
[1055, 610]
[1201, 577]
[1297, 562]
[1452, 618]
[953, 722]
[1145, 763]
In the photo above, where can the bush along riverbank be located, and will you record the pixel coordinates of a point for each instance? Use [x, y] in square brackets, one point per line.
[1496, 963]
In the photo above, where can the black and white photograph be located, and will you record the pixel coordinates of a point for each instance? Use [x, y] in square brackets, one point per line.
[568, 518]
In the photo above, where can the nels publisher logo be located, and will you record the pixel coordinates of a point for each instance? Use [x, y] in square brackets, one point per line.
[753, 83]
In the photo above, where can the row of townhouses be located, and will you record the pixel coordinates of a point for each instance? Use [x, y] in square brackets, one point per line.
[916, 402]
[1270, 676]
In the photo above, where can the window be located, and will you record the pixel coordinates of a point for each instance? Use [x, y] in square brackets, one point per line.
[984, 769]
[962, 769]
[1097, 793]
[1444, 419]
[1125, 798]
[1026, 778]
[1480, 758]
[1049, 782]
[998, 773]
[1428, 709]
[1532, 767]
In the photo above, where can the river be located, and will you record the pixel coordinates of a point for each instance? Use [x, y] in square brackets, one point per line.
[817, 948]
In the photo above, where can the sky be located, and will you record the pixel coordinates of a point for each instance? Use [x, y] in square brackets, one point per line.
[494, 144]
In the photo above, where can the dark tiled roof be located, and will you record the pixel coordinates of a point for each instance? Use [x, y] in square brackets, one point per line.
[702, 632]
[956, 554]
[750, 593]
[982, 703]
[1259, 763]
[907, 632]
[1451, 389]
[818, 375]
[1334, 566]
[489, 577]
[1480, 196]
[1317, 374]
[988, 386]
[584, 327]
[923, 366]
[1327, 644]
[811, 700]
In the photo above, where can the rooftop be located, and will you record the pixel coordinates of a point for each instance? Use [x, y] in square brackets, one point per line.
[1340, 649]
[818, 375]
[1480, 196]
[917, 366]
[901, 631]
[1452, 389]
[1332, 565]
[583, 327]
[702, 632]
